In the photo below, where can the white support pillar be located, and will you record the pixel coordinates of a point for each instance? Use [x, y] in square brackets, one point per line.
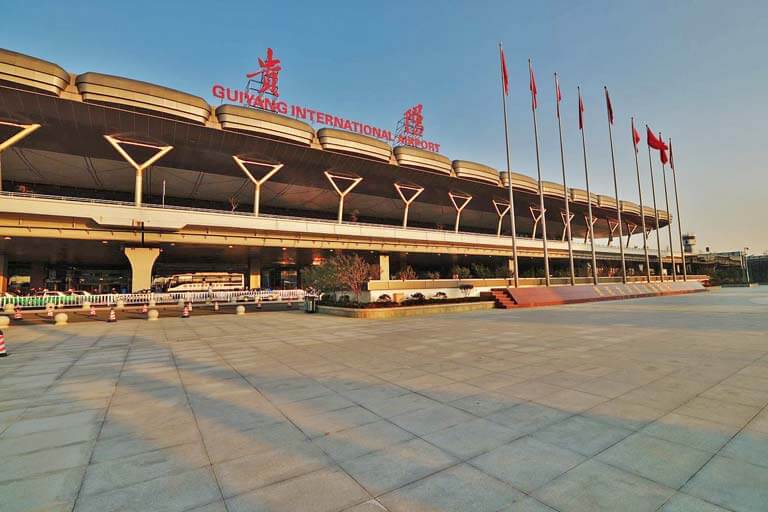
[257, 183]
[537, 213]
[502, 208]
[24, 130]
[383, 267]
[404, 191]
[586, 221]
[353, 182]
[566, 221]
[142, 260]
[463, 201]
[138, 167]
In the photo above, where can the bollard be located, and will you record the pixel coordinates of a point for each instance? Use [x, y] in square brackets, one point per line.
[8, 308]
[92, 312]
[181, 303]
[5, 321]
[61, 319]
[189, 305]
[49, 314]
[153, 315]
[215, 306]
[86, 306]
[112, 316]
[258, 305]
[152, 303]
[17, 315]
[240, 310]
[120, 304]
[3, 352]
[185, 312]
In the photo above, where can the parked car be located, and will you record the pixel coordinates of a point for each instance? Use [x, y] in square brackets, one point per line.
[384, 298]
[417, 296]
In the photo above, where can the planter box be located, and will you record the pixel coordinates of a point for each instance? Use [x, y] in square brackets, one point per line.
[405, 311]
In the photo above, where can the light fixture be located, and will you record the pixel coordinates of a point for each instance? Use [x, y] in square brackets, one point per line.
[229, 246]
[104, 242]
[6, 238]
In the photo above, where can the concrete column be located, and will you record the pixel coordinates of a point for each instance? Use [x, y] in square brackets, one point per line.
[511, 266]
[142, 260]
[37, 275]
[384, 267]
[3, 273]
[254, 273]
[138, 190]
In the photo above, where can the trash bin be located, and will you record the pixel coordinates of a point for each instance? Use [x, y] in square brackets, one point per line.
[310, 303]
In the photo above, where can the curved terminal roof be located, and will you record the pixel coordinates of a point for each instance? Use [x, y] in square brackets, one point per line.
[234, 117]
[100, 88]
[31, 72]
[579, 196]
[606, 202]
[408, 156]
[630, 207]
[553, 189]
[475, 171]
[348, 142]
[520, 182]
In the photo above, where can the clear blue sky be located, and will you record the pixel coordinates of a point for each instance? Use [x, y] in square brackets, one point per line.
[695, 70]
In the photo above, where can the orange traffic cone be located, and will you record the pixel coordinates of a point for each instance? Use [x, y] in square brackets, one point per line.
[3, 353]
[185, 312]
[215, 306]
[190, 305]
[17, 314]
[112, 316]
[49, 313]
[144, 309]
[92, 312]
[258, 305]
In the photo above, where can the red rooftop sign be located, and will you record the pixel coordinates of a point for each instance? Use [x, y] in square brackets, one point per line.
[265, 82]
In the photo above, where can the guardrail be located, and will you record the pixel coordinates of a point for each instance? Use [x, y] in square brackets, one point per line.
[132, 299]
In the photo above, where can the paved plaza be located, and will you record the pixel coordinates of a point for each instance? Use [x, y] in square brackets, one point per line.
[652, 404]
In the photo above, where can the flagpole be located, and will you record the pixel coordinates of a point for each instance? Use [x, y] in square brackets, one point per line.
[589, 196]
[669, 222]
[616, 187]
[655, 213]
[509, 171]
[541, 187]
[642, 208]
[565, 187]
[677, 207]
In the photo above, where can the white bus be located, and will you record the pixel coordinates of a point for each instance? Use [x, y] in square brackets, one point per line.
[205, 281]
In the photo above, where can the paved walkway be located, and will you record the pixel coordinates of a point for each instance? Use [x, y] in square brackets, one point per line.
[653, 404]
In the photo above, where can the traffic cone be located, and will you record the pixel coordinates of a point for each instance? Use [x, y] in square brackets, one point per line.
[185, 312]
[112, 316]
[92, 312]
[144, 309]
[258, 305]
[190, 305]
[17, 314]
[3, 353]
[215, 306]
[290, 305]
[49, 314]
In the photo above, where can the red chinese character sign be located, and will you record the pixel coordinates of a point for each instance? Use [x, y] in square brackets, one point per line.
[413, 121]
[269, 72]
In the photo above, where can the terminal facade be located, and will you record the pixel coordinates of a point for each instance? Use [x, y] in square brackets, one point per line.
[109, 182]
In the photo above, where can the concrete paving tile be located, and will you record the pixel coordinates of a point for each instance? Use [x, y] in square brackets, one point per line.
[662, 461]
[732, 484]
[225, 444]
[334, 421]
[694, 432]
[471, 438]
[425, 421]
[595, 486]
[526, 463]
[397, 465]
[737, 395]
[112, 448]
[748, 446]
[529, 504]
[571, 400]
[727, 413]
[16, 467]
[51, 491]
[317, 405]
[372, 505]
[109, 475]
[760, 422]
[529, 390]
[623, 414]
[321, 491]
[528, 417]
[34, 425]
[354, 442]
[483, 404]
[451, 392]
[173, 493]
[683, 503]
[401, 404]
[280, 463]
[49, 439]
[456, 489]
[582, 435]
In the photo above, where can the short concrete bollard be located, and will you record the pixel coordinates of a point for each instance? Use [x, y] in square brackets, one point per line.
[152, 303]
[181, 303]
[86, 306]
[153, 315]
[240, 310]
[61, 319]
[8, 308]
[120, 304]
[4, 321]
[49, 306]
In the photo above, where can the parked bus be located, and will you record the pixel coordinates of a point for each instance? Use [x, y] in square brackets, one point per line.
[205, 281]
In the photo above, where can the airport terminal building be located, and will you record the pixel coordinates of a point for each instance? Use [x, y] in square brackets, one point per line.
[108, 182]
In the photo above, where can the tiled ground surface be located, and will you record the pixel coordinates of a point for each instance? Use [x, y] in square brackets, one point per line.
[655, 404]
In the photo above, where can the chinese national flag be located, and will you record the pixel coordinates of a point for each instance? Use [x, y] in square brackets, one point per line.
[635, 136]
[581, 113]
[532, 86]
[558, 96]
[663, 156]
[671, 156]
[609, 106]
[504, 75]
[653, 141]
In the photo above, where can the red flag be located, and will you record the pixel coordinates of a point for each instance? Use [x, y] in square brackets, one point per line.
[663, 156]
[532, 85]
[558, 96]
[653, 141]
[504, 75]
[635, 135]
[581, 113]
[609, 106]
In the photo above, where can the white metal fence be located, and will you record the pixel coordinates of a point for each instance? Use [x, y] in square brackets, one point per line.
[129, 299]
